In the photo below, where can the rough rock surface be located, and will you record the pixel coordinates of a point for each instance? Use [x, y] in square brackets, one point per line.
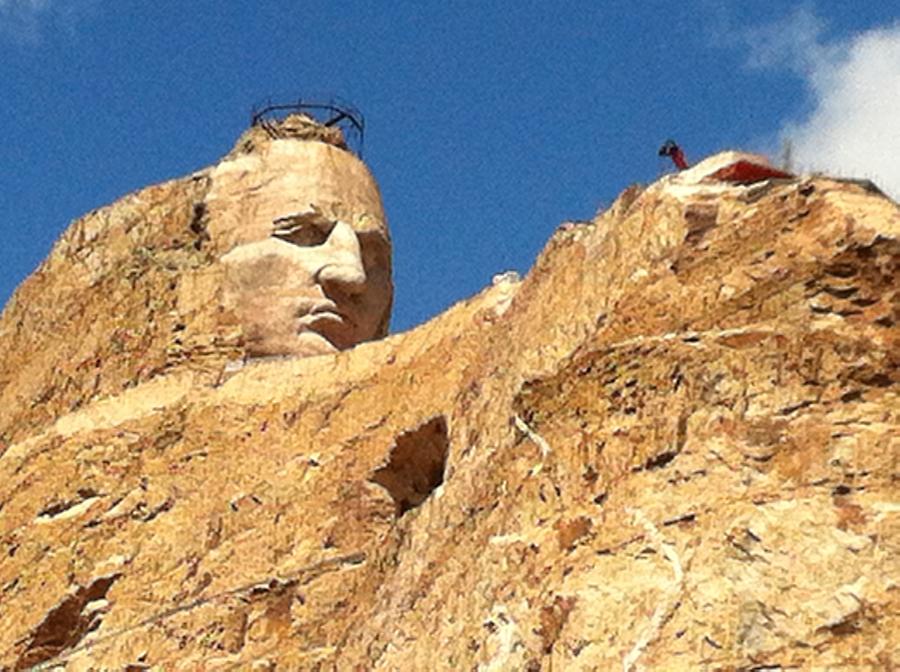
[673, 445]
[136, 290]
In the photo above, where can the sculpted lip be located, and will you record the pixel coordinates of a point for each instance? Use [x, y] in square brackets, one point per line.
[324, 311]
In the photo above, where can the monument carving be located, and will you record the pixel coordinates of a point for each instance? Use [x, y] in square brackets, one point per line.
[308, 260]
[672, 445]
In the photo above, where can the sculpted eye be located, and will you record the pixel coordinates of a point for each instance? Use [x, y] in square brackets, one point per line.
[306, 229]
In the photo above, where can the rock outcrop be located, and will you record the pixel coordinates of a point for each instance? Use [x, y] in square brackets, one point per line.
[673, 445]
[154, 283]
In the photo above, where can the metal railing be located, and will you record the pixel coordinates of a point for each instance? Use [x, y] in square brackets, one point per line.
[332, 113]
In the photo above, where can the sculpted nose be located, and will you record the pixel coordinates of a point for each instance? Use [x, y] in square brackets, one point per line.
[344, 268]
[350, 278]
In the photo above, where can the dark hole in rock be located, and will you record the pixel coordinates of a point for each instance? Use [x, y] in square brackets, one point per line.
[66, 624]
[657, 461]
[879, 380]
[841, 292]
[416, 464]
[842, 270]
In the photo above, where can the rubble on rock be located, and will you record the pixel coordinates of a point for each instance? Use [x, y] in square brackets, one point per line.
[672, 445]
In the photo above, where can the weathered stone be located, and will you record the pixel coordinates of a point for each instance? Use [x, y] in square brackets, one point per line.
[673, 445]
[282, 248]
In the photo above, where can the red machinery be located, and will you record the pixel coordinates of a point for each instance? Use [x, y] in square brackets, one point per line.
[745, 169]
[673, 151]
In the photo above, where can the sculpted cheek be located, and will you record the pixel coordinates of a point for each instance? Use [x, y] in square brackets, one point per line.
[256, 273]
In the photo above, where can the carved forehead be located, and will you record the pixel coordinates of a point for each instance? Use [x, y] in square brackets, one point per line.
[250, 192]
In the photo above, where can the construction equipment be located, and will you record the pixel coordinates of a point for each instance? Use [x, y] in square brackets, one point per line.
[673, 151]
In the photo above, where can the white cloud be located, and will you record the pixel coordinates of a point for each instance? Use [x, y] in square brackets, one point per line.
[853, 128]
[20, 20]
[24, 5]
[23, 21]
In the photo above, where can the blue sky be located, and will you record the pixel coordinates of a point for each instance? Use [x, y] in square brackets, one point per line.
[488, 124]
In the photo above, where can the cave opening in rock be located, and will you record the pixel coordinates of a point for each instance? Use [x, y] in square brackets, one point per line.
[416, 464]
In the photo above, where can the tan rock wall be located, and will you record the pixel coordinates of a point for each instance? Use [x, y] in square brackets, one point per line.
[135, 290]
[675, 449]
[102, 312]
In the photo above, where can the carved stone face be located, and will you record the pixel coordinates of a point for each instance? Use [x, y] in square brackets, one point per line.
[309, 266]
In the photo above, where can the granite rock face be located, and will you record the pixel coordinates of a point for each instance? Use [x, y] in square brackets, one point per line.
[141, 288]
[673, 445]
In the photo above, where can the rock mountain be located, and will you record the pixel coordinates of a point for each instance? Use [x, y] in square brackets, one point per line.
[673, 445]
